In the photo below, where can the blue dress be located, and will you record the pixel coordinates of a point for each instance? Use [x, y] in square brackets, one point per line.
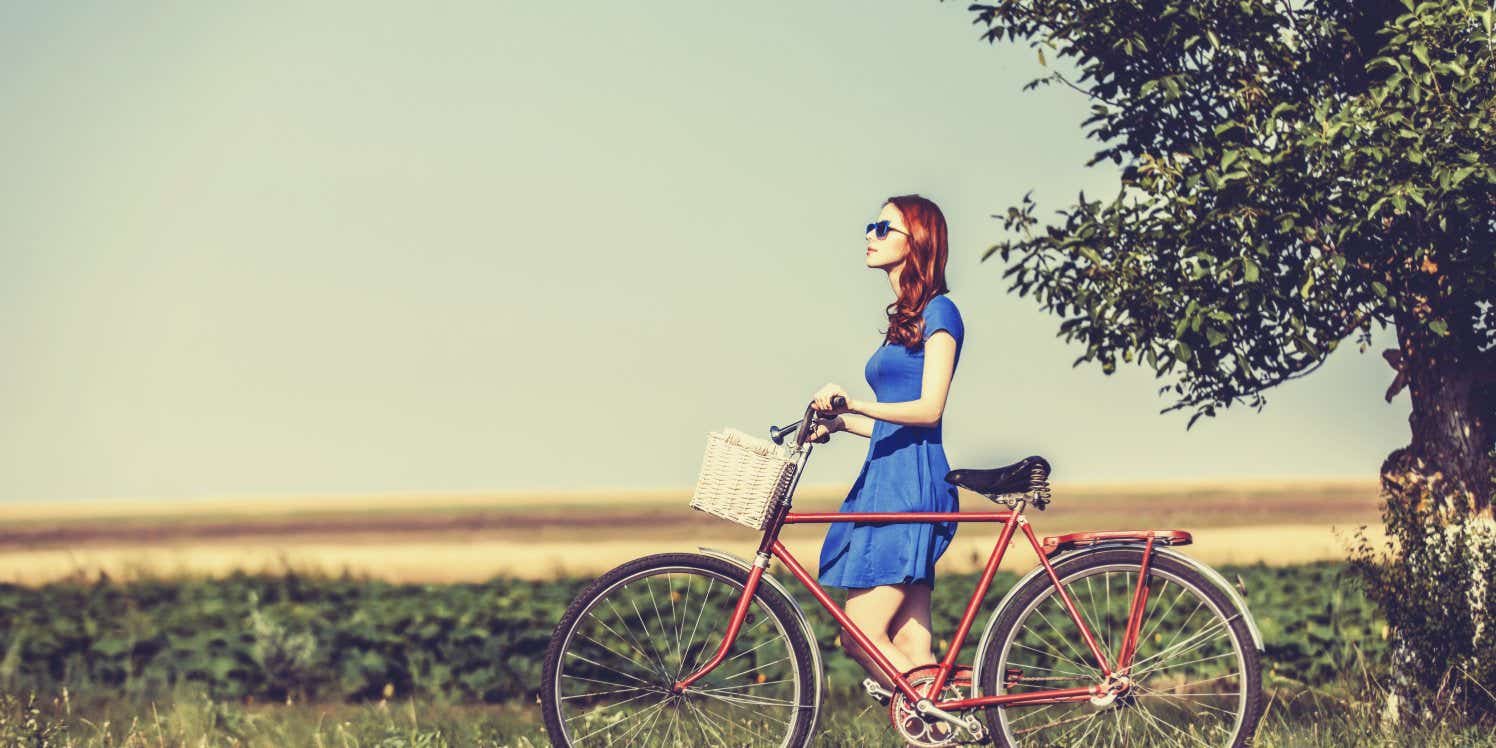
[904, 472]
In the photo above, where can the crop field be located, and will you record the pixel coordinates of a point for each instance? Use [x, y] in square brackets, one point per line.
[420, 620]
[301, 659]
[469, 538]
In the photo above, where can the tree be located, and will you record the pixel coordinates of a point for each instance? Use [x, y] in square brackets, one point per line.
[1292, 174]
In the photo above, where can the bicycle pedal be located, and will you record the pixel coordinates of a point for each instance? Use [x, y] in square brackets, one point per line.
[876, 690]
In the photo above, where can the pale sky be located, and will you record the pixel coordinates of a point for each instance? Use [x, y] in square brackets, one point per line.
[266, 248]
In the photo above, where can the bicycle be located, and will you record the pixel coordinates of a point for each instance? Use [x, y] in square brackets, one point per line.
[1073, 655]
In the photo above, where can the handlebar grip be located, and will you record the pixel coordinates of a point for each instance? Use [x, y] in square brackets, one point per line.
[837, 401]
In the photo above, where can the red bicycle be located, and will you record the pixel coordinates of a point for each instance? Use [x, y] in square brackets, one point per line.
[1113, 638]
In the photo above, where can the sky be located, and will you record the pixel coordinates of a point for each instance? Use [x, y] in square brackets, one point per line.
[337, 248]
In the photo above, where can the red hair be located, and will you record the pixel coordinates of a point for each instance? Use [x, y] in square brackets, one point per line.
[923, 275]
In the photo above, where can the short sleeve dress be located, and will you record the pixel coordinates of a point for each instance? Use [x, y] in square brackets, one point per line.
[904, 472]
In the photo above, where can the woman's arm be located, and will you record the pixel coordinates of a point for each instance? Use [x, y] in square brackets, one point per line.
[855, 424]
[935, 384]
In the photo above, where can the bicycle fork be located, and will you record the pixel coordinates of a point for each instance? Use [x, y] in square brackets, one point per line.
[739, 614]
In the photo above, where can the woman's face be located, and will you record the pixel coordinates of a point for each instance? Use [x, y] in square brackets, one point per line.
[891, 250]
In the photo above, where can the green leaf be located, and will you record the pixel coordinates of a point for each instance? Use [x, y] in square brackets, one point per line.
[1250, 270]
[1421, 52]
[1224, 126]
[1182, 349]
[1308, 284]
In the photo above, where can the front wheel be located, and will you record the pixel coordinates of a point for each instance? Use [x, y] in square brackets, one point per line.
[1195, 679]
[631, 634]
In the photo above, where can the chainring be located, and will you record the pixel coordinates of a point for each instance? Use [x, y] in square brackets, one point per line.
[913, 728]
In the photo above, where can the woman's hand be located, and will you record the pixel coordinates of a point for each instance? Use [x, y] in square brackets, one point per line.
[823, 428]
[821, 402]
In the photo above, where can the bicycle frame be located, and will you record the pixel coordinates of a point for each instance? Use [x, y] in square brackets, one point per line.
[1012, 521]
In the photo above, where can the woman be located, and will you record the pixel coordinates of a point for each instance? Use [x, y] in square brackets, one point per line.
[889, 570]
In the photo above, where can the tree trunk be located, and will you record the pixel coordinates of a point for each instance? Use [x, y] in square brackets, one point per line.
[1453, 423]
[1438, 494]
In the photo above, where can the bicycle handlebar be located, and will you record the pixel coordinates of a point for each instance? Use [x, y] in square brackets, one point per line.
[802, 427]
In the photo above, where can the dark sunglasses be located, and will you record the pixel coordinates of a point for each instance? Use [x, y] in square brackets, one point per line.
[881, 229]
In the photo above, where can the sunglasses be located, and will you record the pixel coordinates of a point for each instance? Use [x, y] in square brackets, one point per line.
[881, 229]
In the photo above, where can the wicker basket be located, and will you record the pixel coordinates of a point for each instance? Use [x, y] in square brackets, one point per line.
[742, 478]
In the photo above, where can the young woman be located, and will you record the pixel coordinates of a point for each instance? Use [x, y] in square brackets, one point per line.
[889, 570]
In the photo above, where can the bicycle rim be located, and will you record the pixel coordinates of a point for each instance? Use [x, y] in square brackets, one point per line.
[641, 634]
[1189, 672]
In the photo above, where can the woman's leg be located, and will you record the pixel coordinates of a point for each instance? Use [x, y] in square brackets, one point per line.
[911, 625]
[873, 609]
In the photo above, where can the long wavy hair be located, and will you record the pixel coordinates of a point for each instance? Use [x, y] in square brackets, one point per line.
[923, 275]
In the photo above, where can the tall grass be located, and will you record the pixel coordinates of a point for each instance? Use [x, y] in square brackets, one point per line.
[1296, 718]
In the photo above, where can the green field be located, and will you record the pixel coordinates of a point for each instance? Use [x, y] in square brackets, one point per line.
[368, 662]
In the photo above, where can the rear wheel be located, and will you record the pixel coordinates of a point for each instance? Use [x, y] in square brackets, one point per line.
[630, 635]
[1195, 678]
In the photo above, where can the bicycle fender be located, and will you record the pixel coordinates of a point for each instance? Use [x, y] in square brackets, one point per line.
[810, 634]
[1210, 574]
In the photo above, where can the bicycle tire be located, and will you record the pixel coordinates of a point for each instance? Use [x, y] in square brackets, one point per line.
[1169, 581]
[697, 726]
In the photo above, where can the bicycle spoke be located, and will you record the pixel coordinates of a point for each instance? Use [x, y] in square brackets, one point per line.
[1185, 689]
[1105, 631]
[1159, 725]
[1175, 649]
[1149, 635]
[619, 721]
[674, 621]
[644, 628]
[605, 667]
[636, 715]
[625, 657]
[691, 640]
[1093, 675]
[1063, 638]
[664, 706]
[634, 642]
[743, 708]
[1195, 661]
[1097, 632]
[626, 649]
[708, 726]
[597, 693]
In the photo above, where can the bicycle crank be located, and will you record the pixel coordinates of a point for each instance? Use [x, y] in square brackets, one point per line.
[923, 724]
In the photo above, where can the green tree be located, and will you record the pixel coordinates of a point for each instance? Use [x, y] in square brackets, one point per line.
[1293, 173]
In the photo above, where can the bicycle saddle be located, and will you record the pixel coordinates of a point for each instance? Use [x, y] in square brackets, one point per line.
[1015, 478]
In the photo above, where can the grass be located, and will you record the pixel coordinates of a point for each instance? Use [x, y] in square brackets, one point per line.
[1295, 718]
